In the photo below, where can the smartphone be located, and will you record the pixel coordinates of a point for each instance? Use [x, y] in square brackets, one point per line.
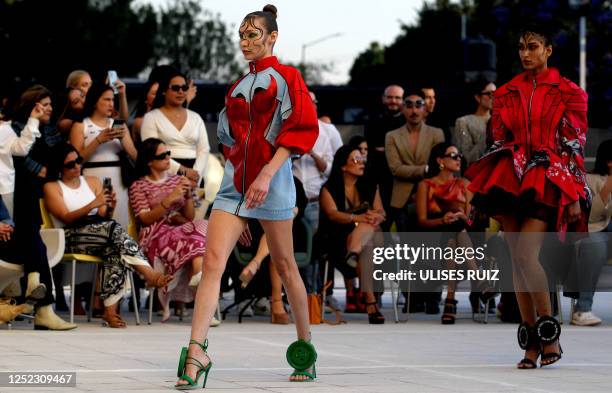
[107, 184]
[112, 79]
[118, 123]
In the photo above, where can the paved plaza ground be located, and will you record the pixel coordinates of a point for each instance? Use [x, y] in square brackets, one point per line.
[420, 355]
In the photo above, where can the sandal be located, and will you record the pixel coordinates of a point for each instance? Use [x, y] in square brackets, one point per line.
[158, 280]
[203, 370]
[527, 340]
[302, 356]
[548, 331]
[114, 321]
[376, 317]
[247, 273]
[450, 312]
[278, 318]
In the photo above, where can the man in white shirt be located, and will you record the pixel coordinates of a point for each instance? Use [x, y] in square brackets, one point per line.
[313, 169]
[325, 125]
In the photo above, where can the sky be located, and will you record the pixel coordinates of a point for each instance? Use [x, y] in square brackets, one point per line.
[360, 22]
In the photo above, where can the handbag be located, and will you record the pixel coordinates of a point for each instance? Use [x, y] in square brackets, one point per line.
[314, 308]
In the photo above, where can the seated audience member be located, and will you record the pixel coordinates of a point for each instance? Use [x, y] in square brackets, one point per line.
[169, 235]
[407, 150]
[73, 111]
[470, 133]
[182, 130]
[351, 211]
[102, 142]
[86, 210]
[593, 251]
[443, 205]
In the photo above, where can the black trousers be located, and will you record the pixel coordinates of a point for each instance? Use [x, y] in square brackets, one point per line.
[30, 251]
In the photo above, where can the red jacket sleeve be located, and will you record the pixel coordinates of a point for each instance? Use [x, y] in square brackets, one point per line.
[300, 127]
[572, 133]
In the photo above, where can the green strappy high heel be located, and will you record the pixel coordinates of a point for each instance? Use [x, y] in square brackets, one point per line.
[302, 355]
[184, 360]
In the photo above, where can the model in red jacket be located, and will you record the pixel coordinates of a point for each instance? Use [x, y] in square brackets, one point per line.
[532, 180]
[268, 116]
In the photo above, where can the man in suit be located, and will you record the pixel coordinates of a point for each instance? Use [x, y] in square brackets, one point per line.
[407, 150]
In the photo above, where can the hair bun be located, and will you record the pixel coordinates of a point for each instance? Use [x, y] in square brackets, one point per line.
[271, 9]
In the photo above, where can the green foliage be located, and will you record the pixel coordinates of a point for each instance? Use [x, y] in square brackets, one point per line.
[42, 41]
[195, 40]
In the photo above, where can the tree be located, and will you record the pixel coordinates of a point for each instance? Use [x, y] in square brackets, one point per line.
[194, 39]
[430, 51]
[42, 41]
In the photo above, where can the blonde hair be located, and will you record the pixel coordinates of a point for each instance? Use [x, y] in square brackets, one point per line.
[73, 78]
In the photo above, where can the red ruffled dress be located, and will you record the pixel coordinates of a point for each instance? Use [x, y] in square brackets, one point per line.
[536, 161]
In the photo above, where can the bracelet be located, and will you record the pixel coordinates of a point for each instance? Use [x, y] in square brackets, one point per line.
[352, 217]
[98, 140]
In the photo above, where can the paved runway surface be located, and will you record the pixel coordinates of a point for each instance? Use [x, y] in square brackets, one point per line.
[418, 356]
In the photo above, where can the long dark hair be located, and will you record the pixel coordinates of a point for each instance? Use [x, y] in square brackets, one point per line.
[56, 163]
[146, 151]
[155, 76]
[438, 151]
[93, 96]
[27, 101]
[164, 85]
[604, 155]
[335, 183]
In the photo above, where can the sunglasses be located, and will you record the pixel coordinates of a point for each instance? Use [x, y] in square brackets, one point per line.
[177, 88]
[72, 164]
[486, 93]
[454, 156]
[162, 156]
[357, 160]
[414, 104]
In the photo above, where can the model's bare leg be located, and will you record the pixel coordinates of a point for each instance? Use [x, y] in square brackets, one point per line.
[223, 232]
[280, 241]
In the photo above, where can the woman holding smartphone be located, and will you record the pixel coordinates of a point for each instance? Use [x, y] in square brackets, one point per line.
[101, 141]
[268, 117]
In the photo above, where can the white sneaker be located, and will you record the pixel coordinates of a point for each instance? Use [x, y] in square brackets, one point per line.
[214, 322]
[585, 319]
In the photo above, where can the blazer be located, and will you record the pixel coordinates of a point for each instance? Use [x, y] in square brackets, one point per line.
[407, 168]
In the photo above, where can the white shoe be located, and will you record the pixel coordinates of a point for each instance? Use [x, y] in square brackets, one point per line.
[214, 322]
[46, 319]
[585, 319]
[195, 281]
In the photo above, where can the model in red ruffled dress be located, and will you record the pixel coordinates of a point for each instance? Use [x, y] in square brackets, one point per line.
[532, 179]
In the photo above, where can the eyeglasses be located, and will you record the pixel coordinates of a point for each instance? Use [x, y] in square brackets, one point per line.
[414, 104]
[454, 156]
[357, 160]
[162, 156]
[72, 164]
[486, 93]
[177, 88]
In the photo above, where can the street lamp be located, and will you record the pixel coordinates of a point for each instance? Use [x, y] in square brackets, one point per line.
[317, 41]
[581, 6]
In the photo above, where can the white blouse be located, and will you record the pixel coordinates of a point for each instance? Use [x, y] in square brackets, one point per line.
[190, 142]
[12, 145]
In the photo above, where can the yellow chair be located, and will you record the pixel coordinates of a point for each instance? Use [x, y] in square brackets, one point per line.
[82, 258]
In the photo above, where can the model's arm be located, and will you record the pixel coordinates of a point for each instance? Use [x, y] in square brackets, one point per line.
[202, 149]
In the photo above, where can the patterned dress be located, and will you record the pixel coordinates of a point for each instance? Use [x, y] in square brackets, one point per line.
[166, 245]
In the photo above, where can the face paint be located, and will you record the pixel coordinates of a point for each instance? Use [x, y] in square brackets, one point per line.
[253, 39]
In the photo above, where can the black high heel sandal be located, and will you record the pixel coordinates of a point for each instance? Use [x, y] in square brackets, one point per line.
[376, 317]
[450, 312]
[527, 339]
[548, 330]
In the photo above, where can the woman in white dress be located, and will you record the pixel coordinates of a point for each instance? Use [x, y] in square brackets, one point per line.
[101, 140]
